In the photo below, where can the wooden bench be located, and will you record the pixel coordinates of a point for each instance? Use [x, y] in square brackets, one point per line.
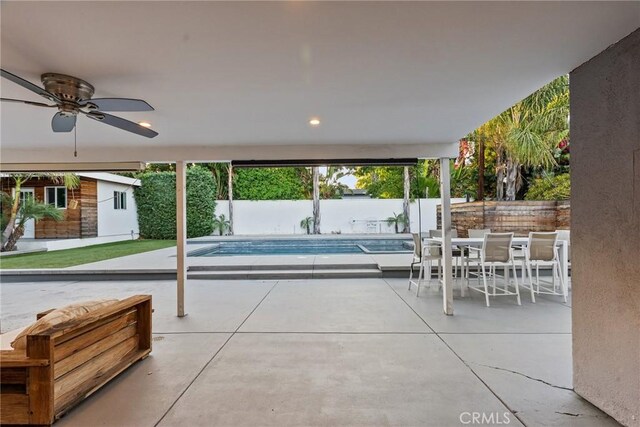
[70, 361]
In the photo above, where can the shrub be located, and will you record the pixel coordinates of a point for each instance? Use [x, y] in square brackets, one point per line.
[156, 203]
[552, 187]
[268, 184]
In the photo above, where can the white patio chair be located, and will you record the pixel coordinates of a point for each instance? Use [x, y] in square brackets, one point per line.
[423, 254]
[456, 253]
[496, 251]
[543, 251]
[473, 233]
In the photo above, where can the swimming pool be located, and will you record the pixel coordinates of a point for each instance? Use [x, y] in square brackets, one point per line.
[303, 247]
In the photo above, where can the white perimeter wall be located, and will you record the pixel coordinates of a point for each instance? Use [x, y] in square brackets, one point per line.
[344, 216]
[113, 222]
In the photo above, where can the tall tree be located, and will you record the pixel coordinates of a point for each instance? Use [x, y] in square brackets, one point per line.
[527, 135]
[316, 200]
[15, 218]
[230, 193]
[405, 202]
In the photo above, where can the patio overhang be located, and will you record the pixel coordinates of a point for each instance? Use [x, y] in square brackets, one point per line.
[241, 81]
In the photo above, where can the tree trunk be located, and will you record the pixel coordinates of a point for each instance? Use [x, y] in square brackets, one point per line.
[8, 231]
[512, 178]
[316, 200]
[480, 193]
[11, 242]
[230, 191]
[405, 203]
[500, 182]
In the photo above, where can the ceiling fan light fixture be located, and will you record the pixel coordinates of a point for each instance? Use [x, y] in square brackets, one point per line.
[72, 95]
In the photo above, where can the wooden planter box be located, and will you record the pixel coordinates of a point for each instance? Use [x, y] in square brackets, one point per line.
[67, 363]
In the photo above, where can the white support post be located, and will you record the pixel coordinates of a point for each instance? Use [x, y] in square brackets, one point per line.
[447, 277]
[181, 235]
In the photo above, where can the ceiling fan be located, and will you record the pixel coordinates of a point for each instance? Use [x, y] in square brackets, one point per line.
[72, 95]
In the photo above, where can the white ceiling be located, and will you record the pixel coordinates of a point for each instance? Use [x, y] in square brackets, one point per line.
[240, 80]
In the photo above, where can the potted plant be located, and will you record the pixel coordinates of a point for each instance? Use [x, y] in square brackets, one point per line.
[221, 224]
[396, 220]
[306, 224]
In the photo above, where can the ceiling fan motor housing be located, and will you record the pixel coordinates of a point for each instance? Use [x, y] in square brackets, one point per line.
[71, 90]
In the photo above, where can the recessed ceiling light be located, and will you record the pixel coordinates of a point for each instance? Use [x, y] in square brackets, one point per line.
[315, 122]
[145, 124]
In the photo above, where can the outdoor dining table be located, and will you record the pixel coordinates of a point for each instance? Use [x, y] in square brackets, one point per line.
[517, 241]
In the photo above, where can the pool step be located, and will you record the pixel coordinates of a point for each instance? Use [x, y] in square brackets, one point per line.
[283, 267]
[285, 274]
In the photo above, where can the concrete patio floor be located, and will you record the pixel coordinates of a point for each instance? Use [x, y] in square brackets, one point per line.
[328, 352]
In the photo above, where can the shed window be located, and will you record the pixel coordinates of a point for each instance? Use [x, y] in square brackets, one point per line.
[56, 196]
[119, 200]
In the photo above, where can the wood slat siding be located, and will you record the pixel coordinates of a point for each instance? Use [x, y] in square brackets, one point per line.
[77, 223]
[89, 203]
[519, 217]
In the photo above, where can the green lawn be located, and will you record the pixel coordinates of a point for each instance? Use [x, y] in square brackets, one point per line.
[84, 255]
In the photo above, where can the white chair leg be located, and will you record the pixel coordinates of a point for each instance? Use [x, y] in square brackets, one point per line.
[563, 285]
[505, 272]
[533, 298]
[515, 280]
[420, 276]
[492, 269]
[486, 289]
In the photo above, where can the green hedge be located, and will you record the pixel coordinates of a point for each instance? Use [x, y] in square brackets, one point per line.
[268, 184]
[556, 187]
[156, 203]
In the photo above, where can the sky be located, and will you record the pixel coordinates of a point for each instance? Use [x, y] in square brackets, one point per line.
[348, 180]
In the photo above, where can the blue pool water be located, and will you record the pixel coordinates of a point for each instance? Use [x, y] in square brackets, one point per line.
[303, 247]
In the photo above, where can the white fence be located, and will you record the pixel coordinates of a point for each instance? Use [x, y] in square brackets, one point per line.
[346, 216]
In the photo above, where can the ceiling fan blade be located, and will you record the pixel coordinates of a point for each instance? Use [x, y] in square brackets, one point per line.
[118, 104]
[22, 101]
[28, 85]
[122, 124]
[63, 123]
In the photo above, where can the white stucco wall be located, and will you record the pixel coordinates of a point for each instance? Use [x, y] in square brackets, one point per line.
[605, 229]
[113, 222]
[344, 216]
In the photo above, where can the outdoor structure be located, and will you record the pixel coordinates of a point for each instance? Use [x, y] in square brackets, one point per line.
[605, 229]
[101, 206]
[519, 216]
[356, 215]
[329, 81]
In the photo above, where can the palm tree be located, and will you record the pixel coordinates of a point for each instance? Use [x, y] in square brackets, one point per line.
[221, 224]
[29, 209]
[13, 222]
[526, 134]
[396, 220]
[306, 224]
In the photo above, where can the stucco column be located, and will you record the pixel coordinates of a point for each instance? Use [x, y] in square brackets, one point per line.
[181, 233]
[605, 229]
[447, 277]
